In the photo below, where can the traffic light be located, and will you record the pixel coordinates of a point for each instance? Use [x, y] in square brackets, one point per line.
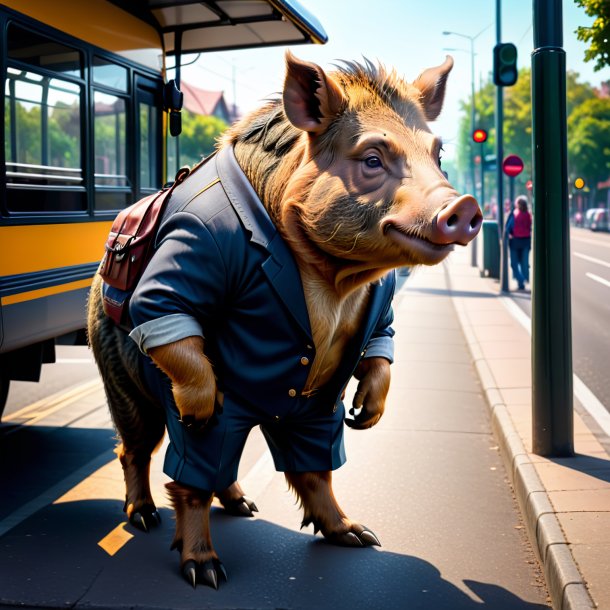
[505, 64]
[579, 183]
[479, 136]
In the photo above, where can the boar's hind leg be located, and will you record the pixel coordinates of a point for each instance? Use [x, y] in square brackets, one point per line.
[235, 502]
[198, 559]
[141, 426]
[139, 421]
[320, 508]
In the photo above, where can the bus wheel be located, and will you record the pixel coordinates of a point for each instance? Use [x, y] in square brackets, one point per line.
[4, 385]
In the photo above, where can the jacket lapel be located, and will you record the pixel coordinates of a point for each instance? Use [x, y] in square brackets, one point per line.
[280, 268]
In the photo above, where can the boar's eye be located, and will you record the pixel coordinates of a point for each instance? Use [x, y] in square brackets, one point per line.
[373, 162]
[440, 155]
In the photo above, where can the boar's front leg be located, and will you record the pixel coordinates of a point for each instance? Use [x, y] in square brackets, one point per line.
[368, 405]
[320, 508]
[192, 377]
[199, 562]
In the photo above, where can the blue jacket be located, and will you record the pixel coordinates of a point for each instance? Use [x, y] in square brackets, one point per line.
[221, 270]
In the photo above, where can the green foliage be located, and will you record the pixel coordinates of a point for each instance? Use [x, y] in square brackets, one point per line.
[598, 34]
[588, 130]
[589, 140]
[62, 131]
[199, 136]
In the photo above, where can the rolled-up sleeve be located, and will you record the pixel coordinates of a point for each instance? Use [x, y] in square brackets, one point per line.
[165, 330]
[381, 343]
[182, 287]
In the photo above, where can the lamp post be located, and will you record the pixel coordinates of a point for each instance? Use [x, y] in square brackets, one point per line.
[472, 119]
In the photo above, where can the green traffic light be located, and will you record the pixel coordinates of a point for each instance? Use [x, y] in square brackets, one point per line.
[505, 64]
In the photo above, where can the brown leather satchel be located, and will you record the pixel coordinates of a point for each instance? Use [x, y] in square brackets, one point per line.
[129, 248]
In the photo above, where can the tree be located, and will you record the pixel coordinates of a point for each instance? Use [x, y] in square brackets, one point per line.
[588, 129]
[589, 140]
[598, 34]
[199, 136]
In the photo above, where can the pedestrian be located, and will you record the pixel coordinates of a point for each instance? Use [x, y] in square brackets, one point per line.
[519, 231]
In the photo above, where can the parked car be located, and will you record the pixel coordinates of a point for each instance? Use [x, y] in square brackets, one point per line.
[596, 219]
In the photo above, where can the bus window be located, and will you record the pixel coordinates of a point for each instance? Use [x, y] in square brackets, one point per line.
[112, 189]
[149, 121]
[39, 51]
[110, 75]
[42, 126]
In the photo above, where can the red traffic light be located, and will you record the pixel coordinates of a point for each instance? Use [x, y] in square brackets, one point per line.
[479, 136]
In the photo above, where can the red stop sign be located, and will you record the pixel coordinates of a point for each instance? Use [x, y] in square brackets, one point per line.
[512, 166]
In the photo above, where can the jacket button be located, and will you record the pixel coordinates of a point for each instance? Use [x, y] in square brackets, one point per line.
[292, 392]
[304, 361]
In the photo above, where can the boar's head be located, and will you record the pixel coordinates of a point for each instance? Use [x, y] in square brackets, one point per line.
[357, 187]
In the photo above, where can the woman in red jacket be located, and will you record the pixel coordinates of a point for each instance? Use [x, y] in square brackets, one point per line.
[519, 226]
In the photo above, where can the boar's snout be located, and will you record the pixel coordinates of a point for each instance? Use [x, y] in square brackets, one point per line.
[458, 223]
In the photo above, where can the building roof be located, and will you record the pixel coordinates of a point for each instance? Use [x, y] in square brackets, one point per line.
[200, 101]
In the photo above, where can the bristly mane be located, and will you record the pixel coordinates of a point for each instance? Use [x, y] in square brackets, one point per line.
[264, 140]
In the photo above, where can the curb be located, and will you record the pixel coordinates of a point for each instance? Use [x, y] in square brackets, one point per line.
[565, 584]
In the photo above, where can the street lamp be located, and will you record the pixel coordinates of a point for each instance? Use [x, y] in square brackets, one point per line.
[472, 118]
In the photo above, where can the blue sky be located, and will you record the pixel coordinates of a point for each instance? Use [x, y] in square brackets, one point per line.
[405, 34]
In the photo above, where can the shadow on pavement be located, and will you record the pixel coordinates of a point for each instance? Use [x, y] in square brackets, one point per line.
[25, 450]
[595, 467]
[53, 559]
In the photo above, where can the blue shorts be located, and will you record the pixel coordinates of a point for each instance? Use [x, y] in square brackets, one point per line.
[309, 438]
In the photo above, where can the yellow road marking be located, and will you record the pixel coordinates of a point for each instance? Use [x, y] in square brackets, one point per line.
[113, 542]
[41, 408]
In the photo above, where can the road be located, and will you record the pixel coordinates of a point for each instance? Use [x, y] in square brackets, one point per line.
[428, 480]
[590, 279]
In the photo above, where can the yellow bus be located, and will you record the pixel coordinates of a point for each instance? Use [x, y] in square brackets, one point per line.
[87, 110]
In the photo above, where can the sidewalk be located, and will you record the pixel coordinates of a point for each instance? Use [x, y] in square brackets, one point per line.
[565, 502]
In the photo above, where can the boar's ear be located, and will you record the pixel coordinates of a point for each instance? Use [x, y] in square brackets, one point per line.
[312, 99]
[432, 83]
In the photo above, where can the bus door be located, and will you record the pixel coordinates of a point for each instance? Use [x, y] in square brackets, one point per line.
[148, 116]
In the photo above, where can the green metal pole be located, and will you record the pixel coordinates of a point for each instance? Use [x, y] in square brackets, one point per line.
[482, 202]
[499, 158]
[552, 381]
[473, 246]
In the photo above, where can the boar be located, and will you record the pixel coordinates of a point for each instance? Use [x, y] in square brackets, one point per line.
[270, 287]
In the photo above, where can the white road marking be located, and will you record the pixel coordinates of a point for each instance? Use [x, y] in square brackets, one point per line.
[597, 242]
[591, 259]
[589, 401]
[601, 280]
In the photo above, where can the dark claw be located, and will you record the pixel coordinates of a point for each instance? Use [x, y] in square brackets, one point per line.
[220, 568]
[250, 504]
[195, 425]
[369, 538]
[176, 544]
[208, 575]
[190, 573]
[243, 507]
[145, 520]
[347, 539]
